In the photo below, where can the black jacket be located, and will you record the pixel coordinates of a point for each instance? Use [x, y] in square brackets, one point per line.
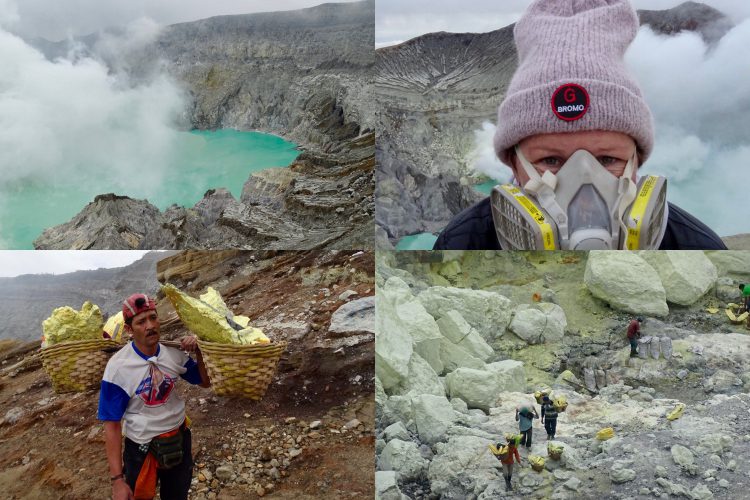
[473, 229]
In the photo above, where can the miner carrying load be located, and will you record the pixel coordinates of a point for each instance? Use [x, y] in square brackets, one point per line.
[634, 333]
[506, 454]
[525, 418]
[549, 417]
[138, 400]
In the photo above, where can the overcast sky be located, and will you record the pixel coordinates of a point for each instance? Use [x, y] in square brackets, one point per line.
[57, 19]
[15, 263]
[397, 20]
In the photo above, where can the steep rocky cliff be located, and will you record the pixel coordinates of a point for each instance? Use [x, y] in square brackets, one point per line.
[304, 75]
[434, 92]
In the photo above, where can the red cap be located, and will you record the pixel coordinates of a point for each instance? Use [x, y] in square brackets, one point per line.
[136, 304]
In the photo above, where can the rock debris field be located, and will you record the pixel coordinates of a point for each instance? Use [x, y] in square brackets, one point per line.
[464, 338]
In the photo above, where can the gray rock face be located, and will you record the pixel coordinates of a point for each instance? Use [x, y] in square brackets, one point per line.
[433, 92]
[626, 282]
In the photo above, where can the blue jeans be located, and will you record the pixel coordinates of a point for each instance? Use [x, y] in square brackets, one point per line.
[633, 346]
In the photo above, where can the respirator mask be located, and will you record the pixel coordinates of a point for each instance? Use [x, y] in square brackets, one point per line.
[582, 207]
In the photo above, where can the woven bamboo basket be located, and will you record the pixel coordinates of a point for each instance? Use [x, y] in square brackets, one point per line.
[79, 365]
[554, 455]
[241, 370]
[537, 467]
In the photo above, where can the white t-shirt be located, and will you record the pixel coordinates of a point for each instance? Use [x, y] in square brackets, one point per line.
[140, 390]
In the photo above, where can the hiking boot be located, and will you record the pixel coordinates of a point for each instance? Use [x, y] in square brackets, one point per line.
[508, 486]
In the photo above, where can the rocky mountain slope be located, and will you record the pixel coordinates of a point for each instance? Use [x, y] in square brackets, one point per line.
[434, 92]
[464, 338]
[26, 301]
[311, 435]
[304, 75]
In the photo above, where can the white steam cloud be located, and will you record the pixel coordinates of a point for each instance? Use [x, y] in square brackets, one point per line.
[80, 121]
[700, 98]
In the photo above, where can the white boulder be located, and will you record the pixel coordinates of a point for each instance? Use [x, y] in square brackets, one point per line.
[626, 282]
[433, 416]
[455, 328]
[487, 312]
[685, 274]
[404, 458]
[543, 322]
[480, 388]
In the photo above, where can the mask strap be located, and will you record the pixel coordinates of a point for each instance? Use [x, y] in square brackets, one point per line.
[536, 183]
[627, 190]
[543, 189]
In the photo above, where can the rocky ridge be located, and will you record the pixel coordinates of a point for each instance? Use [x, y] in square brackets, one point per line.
[26, 301]
[448, 379]
[434, 92]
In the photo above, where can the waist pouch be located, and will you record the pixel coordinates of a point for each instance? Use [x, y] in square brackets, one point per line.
[167, 451]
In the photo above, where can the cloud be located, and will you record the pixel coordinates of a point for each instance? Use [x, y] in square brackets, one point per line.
[399, 20]
[58, 19]
[483, 158]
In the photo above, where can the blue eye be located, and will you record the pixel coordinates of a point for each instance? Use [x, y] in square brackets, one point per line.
[607, 160]
[550, 161]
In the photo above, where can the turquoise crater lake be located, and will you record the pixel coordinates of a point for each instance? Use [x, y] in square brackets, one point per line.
[197, 161]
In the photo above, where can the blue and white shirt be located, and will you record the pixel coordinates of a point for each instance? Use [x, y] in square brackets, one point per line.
[139, 390]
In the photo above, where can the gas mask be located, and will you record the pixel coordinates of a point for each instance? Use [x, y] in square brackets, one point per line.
[582, 207]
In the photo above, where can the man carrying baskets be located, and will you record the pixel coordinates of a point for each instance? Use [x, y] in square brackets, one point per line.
[138, 400]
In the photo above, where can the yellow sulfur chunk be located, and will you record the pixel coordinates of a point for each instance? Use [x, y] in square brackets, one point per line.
[208, 319]
[66, 324]
[677, 412]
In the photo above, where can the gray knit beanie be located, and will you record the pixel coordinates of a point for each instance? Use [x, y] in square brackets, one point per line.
[571, 75]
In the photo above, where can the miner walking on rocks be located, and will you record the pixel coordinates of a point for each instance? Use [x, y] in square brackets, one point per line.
[138, 399]
[634, 333]
[525, 417]
[549, 417]
[508, 461]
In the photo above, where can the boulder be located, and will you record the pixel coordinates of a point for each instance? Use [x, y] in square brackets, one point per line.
[433, 416]
[732, 263]
[386, 487]
[455, 328]
[396, 431]
[487, 312]
[543, 322]
[423, 330]
[397, 409]
[357, 316]
[404, 458]
[685, 274]
[454, 356]
[626, 282]
[422, 379]
[480, 388]
[462, 468]
[665, 345]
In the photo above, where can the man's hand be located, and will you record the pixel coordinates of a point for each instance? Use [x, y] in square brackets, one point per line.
[189, 343]
[121, 490]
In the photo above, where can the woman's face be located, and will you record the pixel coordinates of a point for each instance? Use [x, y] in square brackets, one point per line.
[551, 151]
